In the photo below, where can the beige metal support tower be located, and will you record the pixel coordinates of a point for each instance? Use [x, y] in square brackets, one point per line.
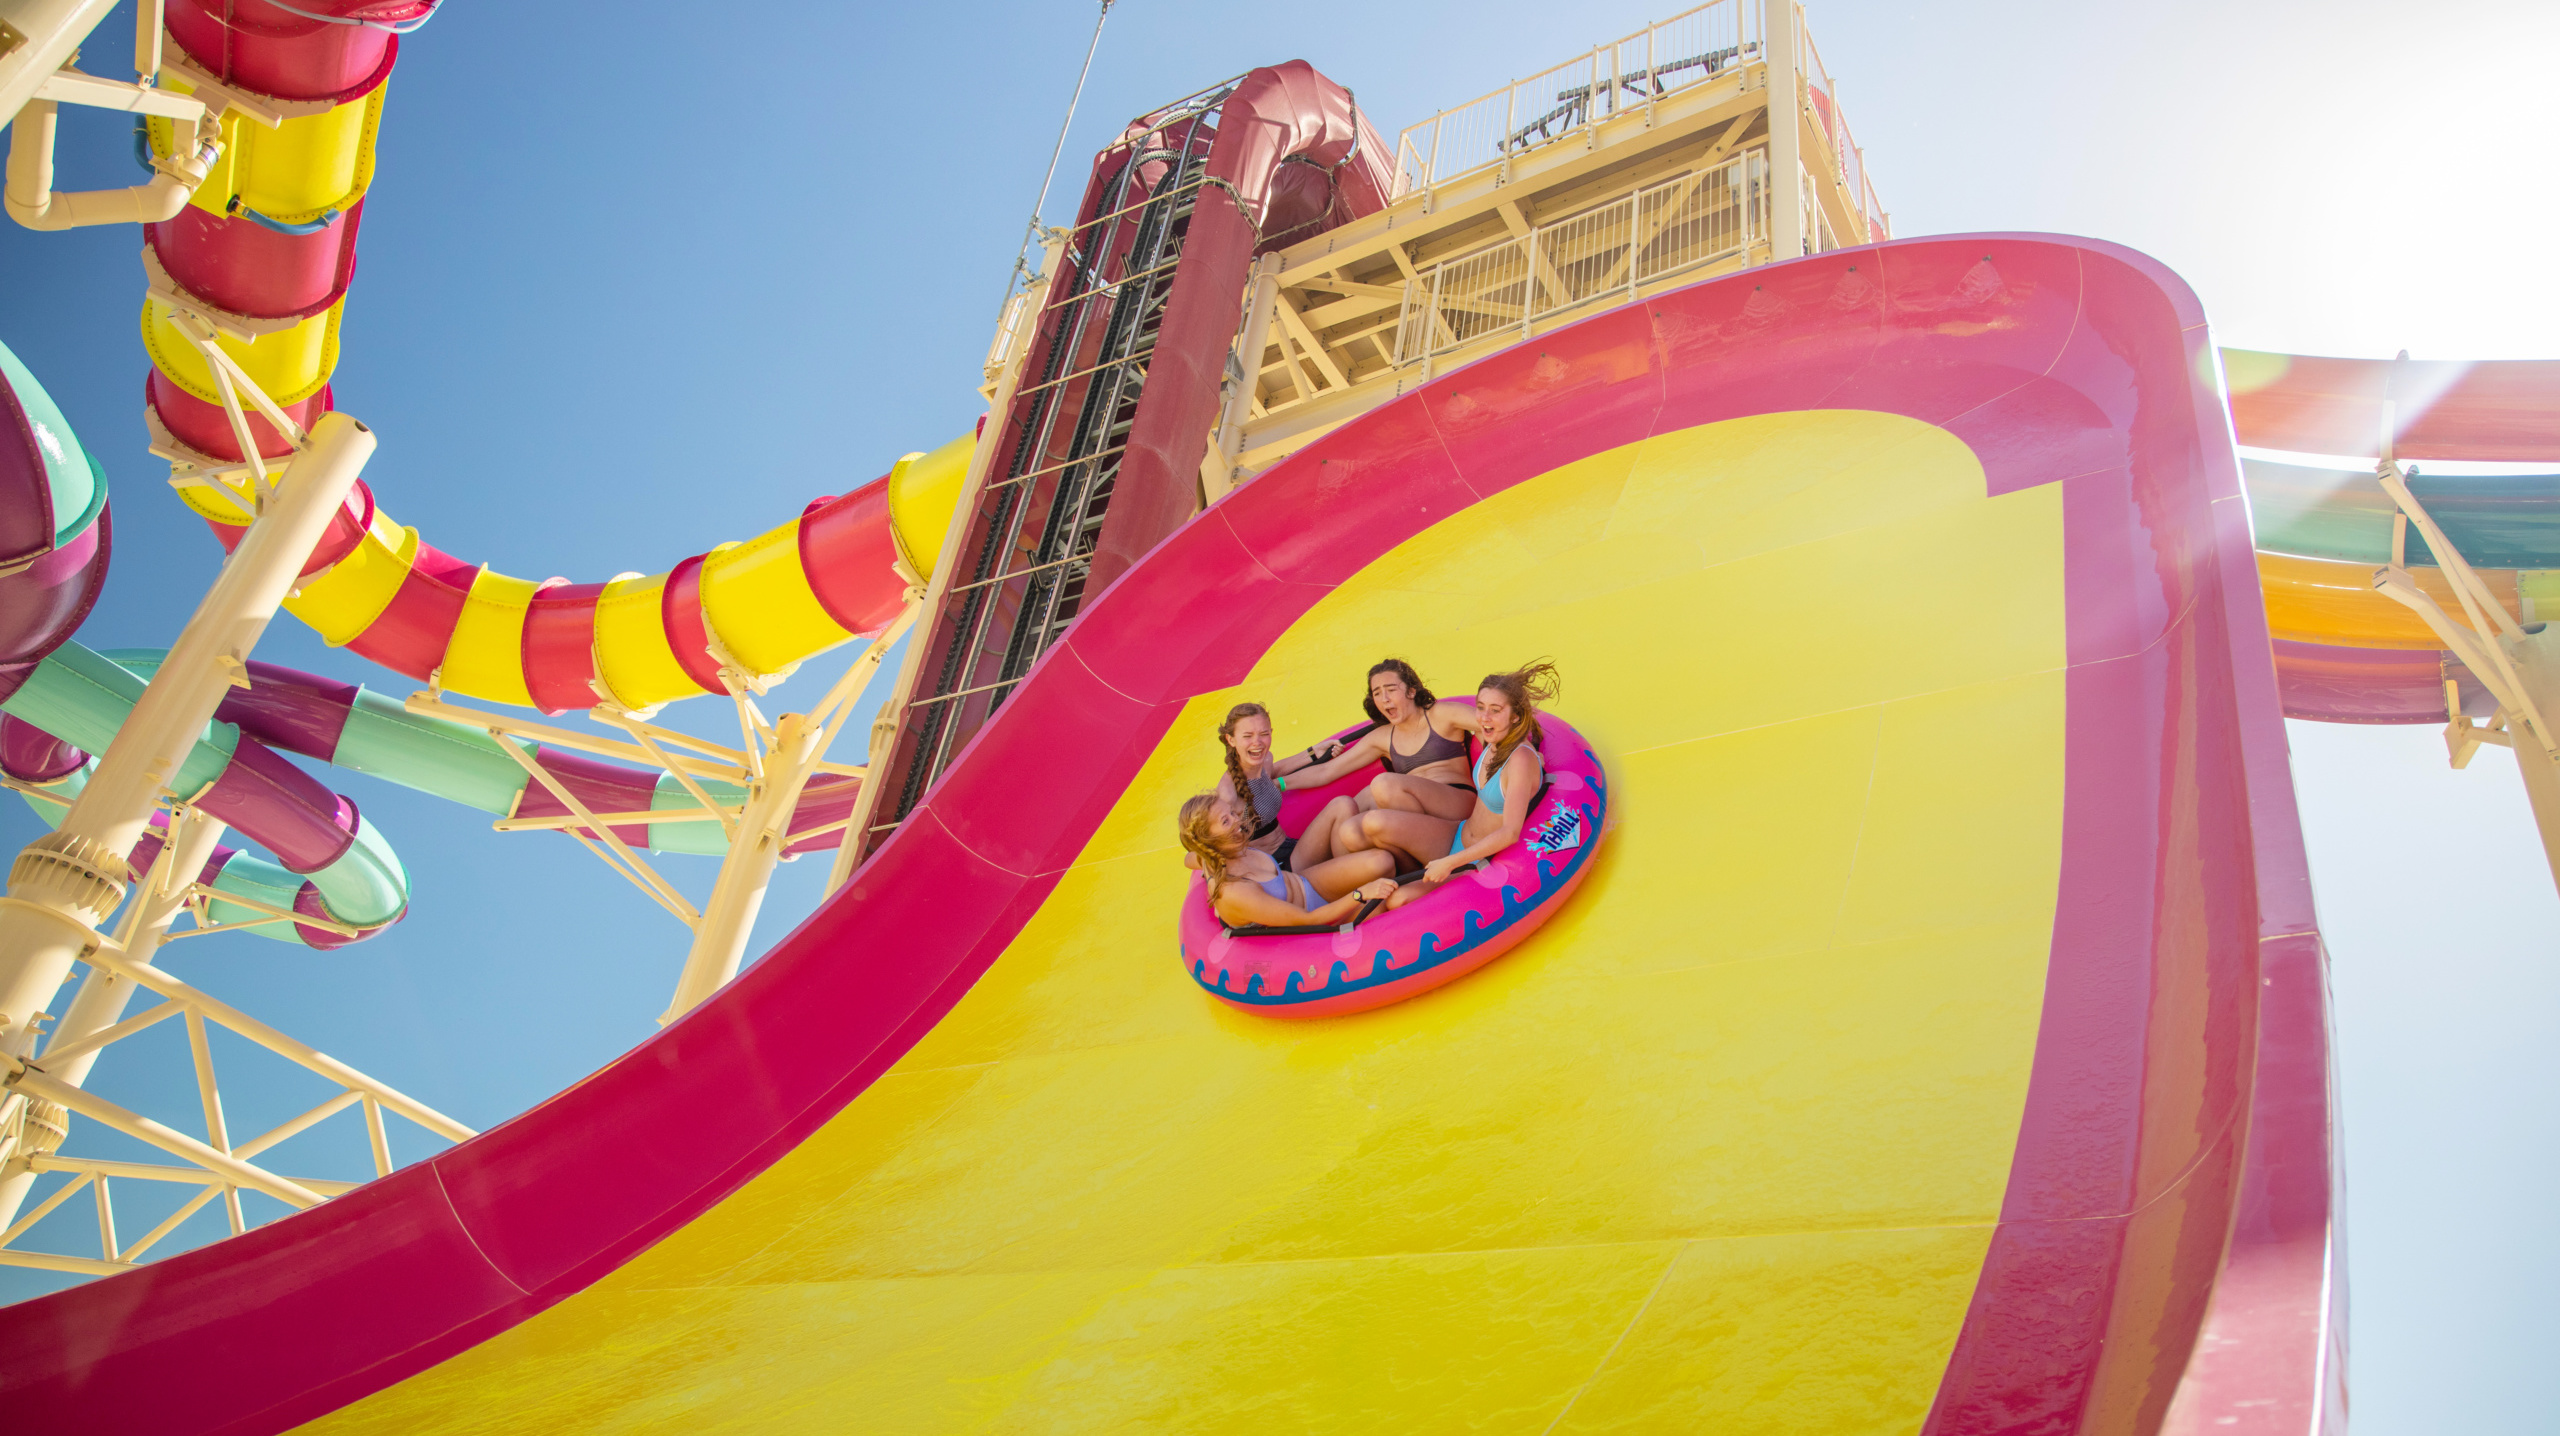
[67, 881]
[2518, 664]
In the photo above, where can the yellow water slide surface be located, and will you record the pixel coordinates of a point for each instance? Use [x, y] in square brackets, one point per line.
[1718, 1150]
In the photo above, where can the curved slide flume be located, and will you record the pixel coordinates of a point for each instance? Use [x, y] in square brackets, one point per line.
[1957, 955]
[267, 243]
[353, 727]
[345, 870]
[268, 247]
[55, 525]
[755, 608]
[41, 761]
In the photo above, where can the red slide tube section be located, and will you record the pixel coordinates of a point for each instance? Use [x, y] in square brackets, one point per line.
[1292, 158]
[2171, 1189]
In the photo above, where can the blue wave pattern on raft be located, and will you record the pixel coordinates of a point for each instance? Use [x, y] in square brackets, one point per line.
[1552, 879]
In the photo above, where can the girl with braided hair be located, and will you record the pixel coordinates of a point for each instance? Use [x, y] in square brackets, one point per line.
[1253, 780]
[1246, 886]
[1508, 776]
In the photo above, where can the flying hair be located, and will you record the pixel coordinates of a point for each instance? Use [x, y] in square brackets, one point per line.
[1525, 688]
[1421, 695]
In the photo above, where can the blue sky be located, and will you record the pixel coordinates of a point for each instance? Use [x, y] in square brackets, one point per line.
[632, 289]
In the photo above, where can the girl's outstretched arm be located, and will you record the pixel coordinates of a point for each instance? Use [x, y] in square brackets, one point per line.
[1324, 750]
[1242, 903]
[1371, 748]
[1519, 779]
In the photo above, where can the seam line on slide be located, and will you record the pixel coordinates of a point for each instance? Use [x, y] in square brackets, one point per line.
[1624, 1332]
[468, 1234]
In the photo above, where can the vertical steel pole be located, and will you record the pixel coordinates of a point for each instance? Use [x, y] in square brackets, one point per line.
[1786, 133]
[1635, 240]
[67, 881]
[1431, 343]
[1652, 77]
[1510, 126]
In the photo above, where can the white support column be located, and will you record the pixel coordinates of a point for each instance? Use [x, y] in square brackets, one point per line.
[2520, 667]
[67, 881]
[1262, 297]
[795, 754]
[729, 917]
[103, 997]
[1786, 132]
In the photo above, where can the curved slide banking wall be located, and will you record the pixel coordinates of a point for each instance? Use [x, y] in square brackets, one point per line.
[1936, 1043]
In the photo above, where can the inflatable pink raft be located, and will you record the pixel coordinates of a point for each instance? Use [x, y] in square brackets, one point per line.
[1473, 919]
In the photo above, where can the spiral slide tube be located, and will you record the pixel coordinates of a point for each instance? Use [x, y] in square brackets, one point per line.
[348, 873]
[55, 527]
[355, 728]
[269, 244]
[754, 608]
[30, 755]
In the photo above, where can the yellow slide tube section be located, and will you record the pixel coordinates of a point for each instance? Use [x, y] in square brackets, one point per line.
[632, 652]
[291, 366]
[302, 168]
[2318, 600]
[759, 602]
[757, 599]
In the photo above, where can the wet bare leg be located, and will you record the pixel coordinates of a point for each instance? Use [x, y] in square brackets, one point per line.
[1340, 875]
[1416, 837]
[1316, 845]
[1404, 793]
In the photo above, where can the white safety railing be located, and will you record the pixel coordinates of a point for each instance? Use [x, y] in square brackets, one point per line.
[1688, 49]
[1601, 255]
[1819, 236]
[1848, 162]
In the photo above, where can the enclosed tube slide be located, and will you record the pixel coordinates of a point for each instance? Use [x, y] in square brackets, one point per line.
[356, 728]
[55, 528]
[269, 241]
[756, 608]
[40, 760]
[348, 873]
